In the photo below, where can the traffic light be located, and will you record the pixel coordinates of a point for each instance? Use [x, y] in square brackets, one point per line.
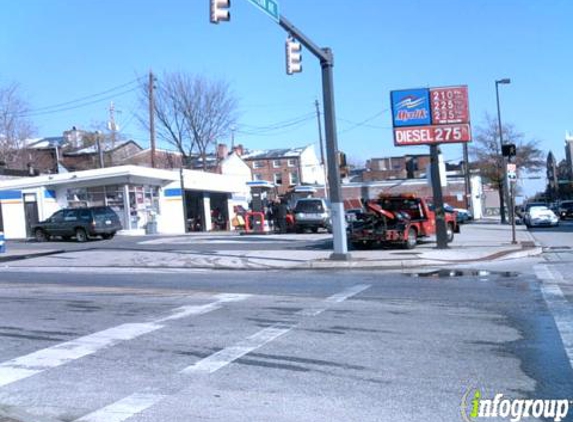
[293, 56]
[508, 150]
[220, 10]
[341, 159]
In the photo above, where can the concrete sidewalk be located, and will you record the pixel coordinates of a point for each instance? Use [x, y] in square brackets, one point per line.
[483, 241]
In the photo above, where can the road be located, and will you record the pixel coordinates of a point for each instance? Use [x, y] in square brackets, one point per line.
[285, 346]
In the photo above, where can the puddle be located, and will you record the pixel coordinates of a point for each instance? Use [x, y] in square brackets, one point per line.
[446, 273]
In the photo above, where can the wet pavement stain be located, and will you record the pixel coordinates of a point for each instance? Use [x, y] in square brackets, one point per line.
[451, 273]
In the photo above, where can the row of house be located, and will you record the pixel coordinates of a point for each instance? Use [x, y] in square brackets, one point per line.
[182, 196]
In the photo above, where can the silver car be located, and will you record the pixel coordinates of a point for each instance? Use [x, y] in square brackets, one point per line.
[540, 215]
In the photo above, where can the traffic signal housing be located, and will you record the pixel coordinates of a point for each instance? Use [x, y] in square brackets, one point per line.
[220, 10]
[508, 150]
[293, 56]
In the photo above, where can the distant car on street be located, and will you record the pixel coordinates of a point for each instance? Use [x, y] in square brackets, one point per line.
[540, 215]
[81, 223]
[566, 209]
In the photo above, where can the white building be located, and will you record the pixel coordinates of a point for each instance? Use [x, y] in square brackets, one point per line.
[137, 194]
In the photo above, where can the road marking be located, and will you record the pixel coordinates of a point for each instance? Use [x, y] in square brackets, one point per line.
[230, 354]
[123, 409]
[138, 402]
[558, 305]
[60, 354]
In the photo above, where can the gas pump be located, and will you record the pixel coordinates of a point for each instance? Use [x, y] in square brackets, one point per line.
[262, 192]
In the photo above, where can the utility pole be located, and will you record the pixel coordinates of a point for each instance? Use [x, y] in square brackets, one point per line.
[441, 228]
[112, 124]
[99, 149]
[152, 118]
[321, 143]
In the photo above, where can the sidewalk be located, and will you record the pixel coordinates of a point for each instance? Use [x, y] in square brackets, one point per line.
[483, 241]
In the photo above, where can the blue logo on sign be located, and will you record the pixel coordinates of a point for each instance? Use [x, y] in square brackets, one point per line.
[411, 107]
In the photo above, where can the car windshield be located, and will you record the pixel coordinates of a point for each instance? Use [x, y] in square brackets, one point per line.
[538, 209]
[309, 206]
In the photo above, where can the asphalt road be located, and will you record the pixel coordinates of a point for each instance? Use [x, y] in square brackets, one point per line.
[299, 346]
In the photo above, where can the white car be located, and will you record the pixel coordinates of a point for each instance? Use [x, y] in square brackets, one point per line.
[540, 216]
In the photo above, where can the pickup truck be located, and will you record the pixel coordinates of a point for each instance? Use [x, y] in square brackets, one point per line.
[400, 219]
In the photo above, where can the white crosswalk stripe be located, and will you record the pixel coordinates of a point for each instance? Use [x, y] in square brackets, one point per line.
[63, 353]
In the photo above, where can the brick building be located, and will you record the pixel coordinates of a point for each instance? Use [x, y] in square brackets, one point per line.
[402, 167]
[286, 167]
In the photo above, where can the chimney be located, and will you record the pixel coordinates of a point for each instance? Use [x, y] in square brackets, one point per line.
[238, 150]
[222, 151]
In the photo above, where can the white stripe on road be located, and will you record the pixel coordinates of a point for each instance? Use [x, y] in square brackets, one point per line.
[60, 354]
[123, 409]
[63, 353]
[558, 305]
[230, 354]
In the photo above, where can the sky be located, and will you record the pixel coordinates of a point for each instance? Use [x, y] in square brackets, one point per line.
[80, 55]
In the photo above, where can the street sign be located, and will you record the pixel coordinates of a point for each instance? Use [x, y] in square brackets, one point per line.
[270, 7]
[435, 134]
[411, 107]
[511, 172]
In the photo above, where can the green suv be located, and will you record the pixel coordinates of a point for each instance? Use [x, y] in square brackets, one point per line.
[81, 223]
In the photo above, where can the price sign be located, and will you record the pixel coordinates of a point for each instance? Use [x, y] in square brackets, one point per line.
[420, 135]
[449, 105]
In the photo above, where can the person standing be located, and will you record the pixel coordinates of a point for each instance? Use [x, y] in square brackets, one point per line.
[281, 216]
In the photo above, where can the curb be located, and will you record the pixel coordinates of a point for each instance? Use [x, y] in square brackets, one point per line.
[322, 265]
[30, 255]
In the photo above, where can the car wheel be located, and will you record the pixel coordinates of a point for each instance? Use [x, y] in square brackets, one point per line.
[40, 235]
[315, 229]
[450, 232]
[81, 235]
[108, 235]
[412, 240]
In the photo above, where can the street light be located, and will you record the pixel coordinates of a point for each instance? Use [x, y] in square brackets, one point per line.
[504, 81]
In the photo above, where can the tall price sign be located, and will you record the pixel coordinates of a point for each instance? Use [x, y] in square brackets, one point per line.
[429, 116]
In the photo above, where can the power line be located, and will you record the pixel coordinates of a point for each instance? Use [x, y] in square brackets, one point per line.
[57, 107]
[59, 110]
[265, 130]
[365, 122]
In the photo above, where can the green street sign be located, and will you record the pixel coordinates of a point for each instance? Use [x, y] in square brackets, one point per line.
[270, 7]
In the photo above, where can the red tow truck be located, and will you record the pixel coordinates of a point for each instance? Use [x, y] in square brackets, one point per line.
[397, 219]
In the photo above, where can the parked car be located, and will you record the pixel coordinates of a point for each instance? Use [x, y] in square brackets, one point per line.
[566, 209]
[81, 223]
[540, 215]
[463, 215]
[312, 214]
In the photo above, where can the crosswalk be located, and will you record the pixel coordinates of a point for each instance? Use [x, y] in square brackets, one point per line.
[32, 380]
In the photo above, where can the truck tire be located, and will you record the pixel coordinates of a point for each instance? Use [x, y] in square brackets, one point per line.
[412, 239]
[450, 232]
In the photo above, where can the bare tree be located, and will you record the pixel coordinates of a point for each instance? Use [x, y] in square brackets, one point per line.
[15, 128]
[486, 152]
[192, 113]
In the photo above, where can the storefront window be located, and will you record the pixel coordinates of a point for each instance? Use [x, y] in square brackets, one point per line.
[143, 202]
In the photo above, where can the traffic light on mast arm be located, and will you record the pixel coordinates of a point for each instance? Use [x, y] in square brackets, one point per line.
[220, 10]
[293, 56]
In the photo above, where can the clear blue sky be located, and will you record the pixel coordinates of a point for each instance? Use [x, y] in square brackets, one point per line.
[62, 50]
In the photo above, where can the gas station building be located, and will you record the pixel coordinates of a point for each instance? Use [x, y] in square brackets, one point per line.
[173, 201]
